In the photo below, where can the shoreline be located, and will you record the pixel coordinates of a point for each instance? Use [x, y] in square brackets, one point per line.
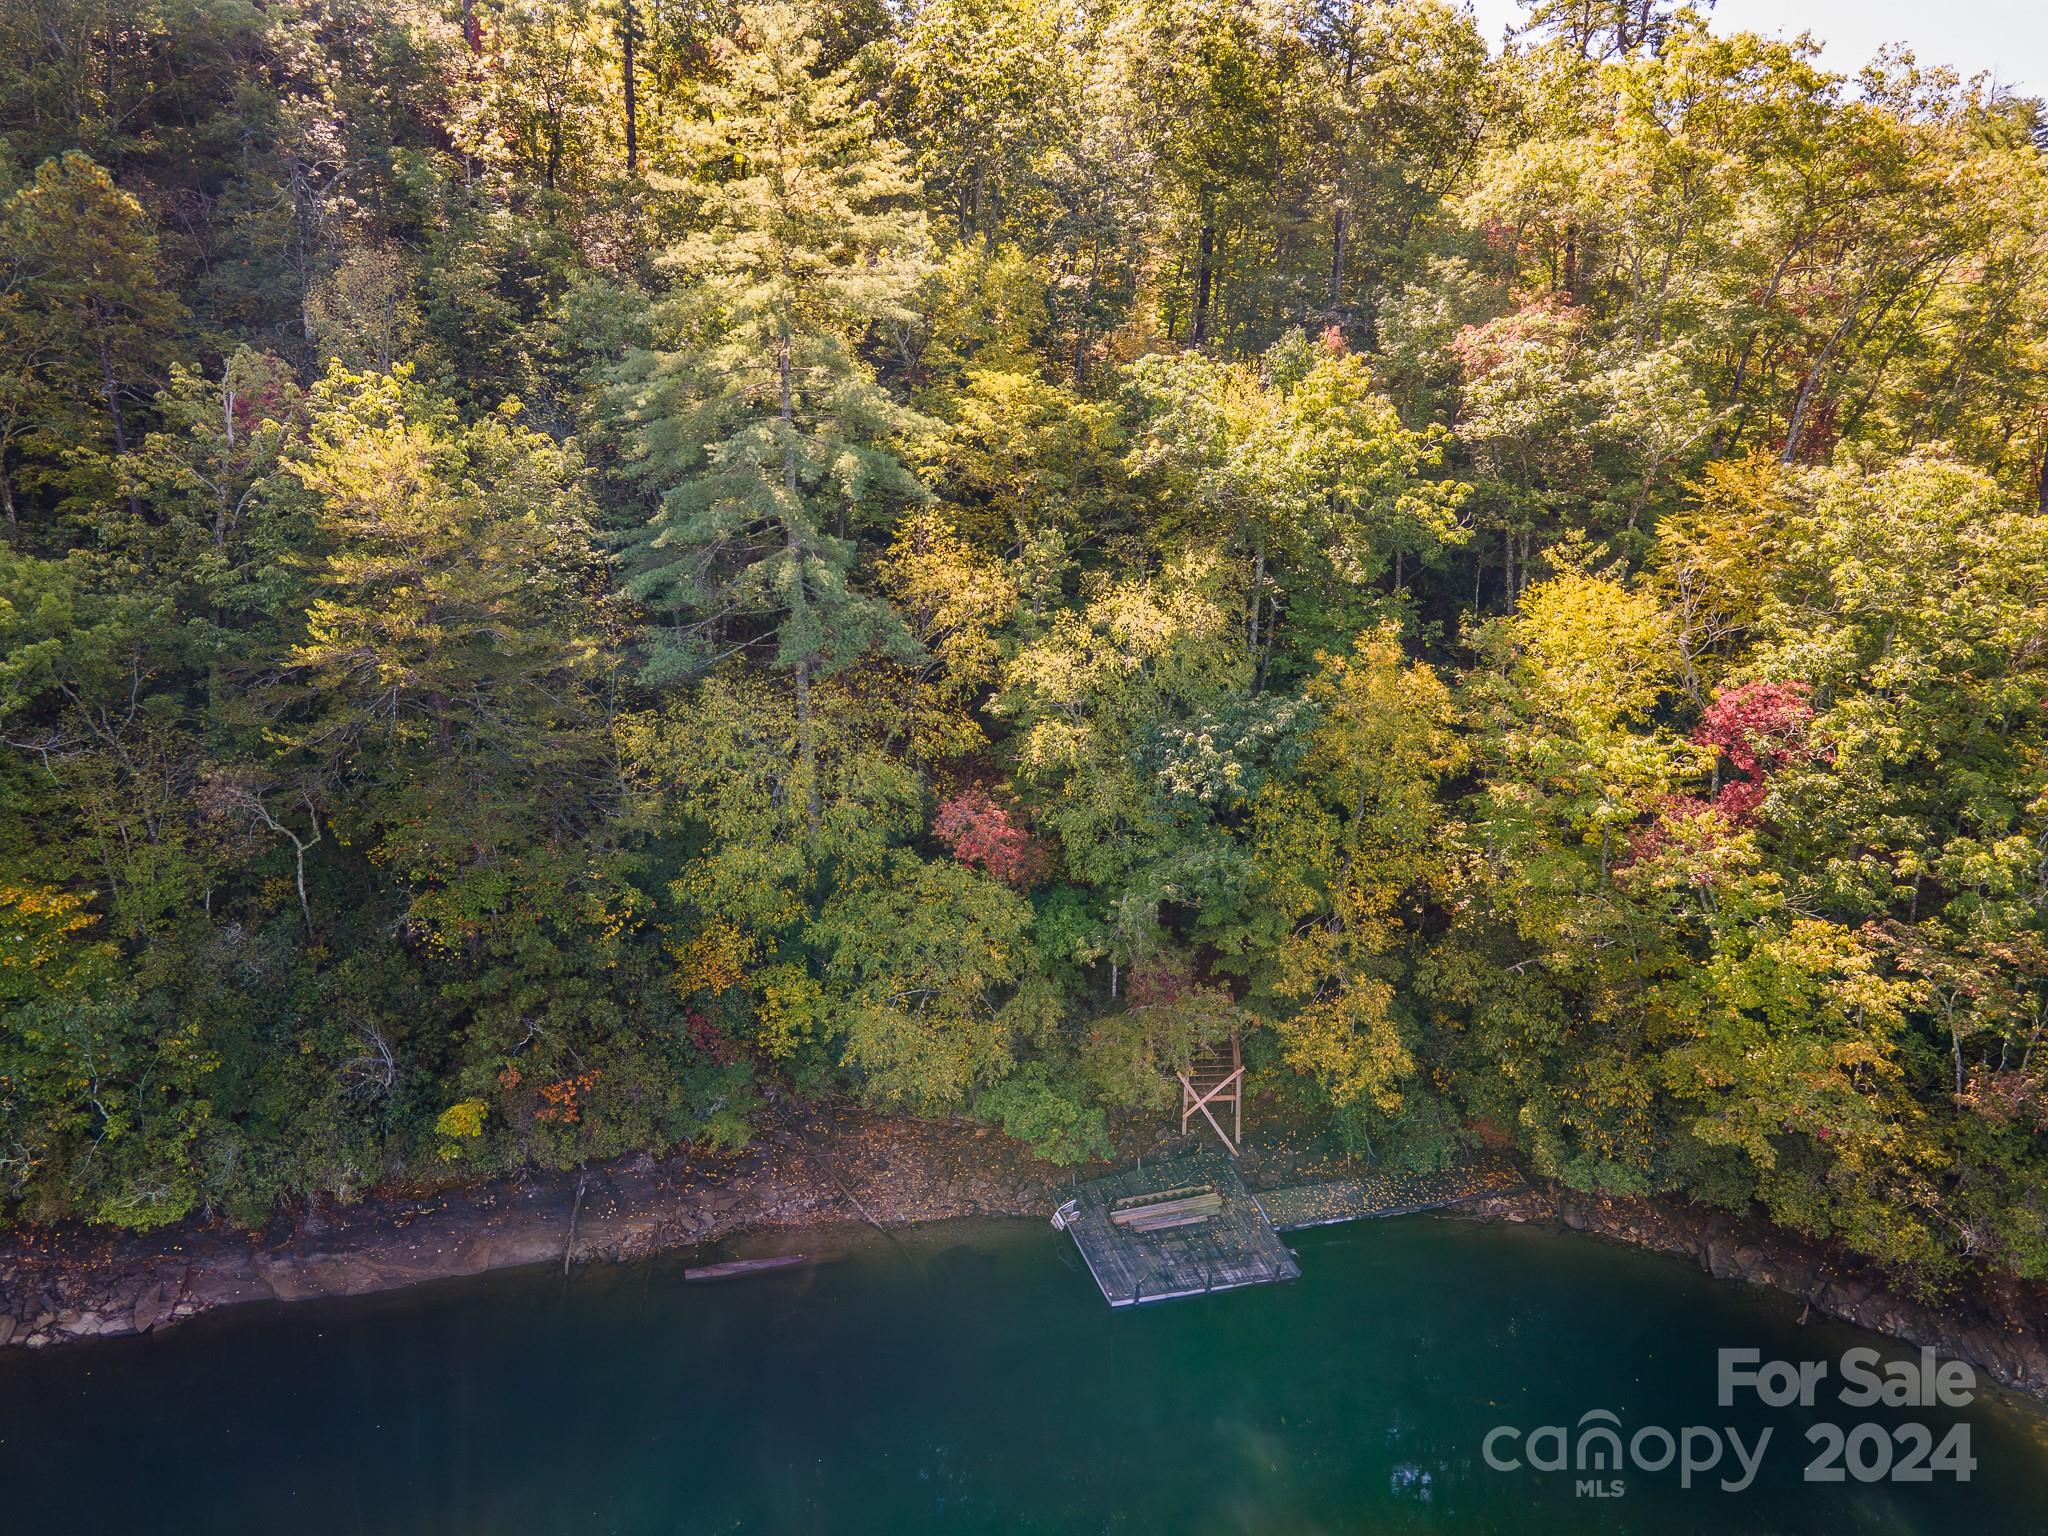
[67, 1287]
[847, 1166]
[2000, 1327]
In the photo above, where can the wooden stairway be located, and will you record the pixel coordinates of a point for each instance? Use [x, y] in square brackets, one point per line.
[1215, 1077]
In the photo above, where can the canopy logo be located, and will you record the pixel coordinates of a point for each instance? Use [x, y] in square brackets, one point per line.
[1595, 1444]
[1598, 1450]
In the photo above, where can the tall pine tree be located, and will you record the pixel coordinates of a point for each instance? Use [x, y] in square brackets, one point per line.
[764, 431]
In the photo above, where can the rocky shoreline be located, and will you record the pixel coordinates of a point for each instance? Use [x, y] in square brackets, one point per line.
[835, 1166]
[2000, 1328]
[59, 1288]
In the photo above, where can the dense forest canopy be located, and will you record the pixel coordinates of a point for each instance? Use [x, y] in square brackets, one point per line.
[570, 565]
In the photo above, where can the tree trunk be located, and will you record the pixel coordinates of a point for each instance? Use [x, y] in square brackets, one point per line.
[1081, 319]
[1336, 261]
[302, 246]
[1258, 595]
[807, 748]
[1796, 428]
[1205, 252]
[628, 29]
[1339, 184]
[111, 391]
[305, 906]
[1258, 600]
[806, 730]
[113, 107]
[110, 386]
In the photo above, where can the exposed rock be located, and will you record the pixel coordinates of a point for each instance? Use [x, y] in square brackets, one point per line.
[149, 1306]
[903, 1171]
[2000, 1327]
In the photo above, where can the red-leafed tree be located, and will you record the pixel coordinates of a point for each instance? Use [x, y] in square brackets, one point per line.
[1760, 726]
[982, 832]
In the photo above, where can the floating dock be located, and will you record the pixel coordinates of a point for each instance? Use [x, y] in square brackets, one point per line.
[1184, 1227]
[1189, 1225]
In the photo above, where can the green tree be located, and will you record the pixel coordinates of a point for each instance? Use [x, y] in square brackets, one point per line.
[440, 702]
[1204, 84]
[88, 330]
[1397, 100]
[1085, 697]
[986, 83]
[101, 1110]
[1346, 848]
[1301, 469]
[764, 430]
[932, 968]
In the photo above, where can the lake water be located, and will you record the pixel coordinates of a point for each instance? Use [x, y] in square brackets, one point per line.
[969, 1380]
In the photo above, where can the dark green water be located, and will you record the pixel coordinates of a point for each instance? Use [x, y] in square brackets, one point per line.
[971, 1383]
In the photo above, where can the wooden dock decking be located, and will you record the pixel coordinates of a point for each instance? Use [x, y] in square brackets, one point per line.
[1226, 1247]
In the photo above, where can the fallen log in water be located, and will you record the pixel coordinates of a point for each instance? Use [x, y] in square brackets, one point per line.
[736, 1267]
